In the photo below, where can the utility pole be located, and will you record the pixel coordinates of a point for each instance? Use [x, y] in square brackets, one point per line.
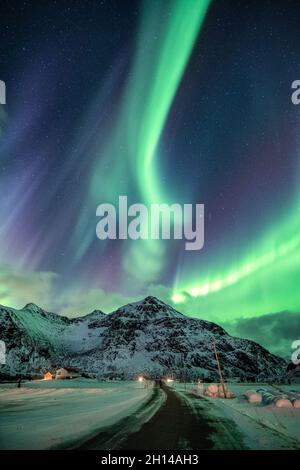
[219, 369]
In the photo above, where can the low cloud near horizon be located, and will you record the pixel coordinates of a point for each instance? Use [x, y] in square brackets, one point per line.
[18, 288]
[274, 331]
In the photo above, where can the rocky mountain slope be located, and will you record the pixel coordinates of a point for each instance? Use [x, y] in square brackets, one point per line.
[147, 337]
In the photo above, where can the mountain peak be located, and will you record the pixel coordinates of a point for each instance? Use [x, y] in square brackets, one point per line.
[150, 308]
[33, 307]
[150, 299]
[36, 309]
[96, 312]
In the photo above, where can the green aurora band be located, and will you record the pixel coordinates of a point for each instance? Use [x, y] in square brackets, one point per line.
[155, 82]
[156, 75]
[267, 280]
[128, 163]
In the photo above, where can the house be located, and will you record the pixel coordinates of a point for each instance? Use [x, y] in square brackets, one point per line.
[48, 376]
[64, 373]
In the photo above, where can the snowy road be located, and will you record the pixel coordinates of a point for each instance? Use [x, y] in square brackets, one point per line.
[185, 422]
[178, 424]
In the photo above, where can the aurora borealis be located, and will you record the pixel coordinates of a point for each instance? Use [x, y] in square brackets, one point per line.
[184, 101]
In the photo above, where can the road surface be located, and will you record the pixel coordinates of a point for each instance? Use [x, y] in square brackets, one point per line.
[176, 425]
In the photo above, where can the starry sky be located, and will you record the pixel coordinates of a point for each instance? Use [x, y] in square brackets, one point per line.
[185, 101]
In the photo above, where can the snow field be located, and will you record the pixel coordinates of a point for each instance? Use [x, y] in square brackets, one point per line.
[46, 414]
[262, 426]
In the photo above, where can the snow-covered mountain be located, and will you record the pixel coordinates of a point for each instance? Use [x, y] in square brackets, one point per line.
[147, 337]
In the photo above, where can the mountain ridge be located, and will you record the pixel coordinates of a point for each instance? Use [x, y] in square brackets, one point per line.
[147, 336]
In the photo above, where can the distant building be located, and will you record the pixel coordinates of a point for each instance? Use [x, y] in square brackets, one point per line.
[66, 374]
[48, 376]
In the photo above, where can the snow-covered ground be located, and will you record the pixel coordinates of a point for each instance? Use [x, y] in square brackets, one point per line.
[260, 426]
[49, 414]
[63, 414]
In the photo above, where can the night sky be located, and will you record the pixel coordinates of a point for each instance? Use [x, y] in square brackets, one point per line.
[184, 101]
